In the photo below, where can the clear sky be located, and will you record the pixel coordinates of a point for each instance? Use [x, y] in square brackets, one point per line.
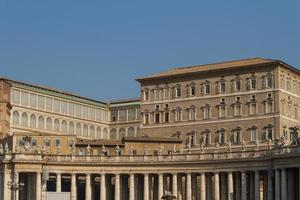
[97, 48]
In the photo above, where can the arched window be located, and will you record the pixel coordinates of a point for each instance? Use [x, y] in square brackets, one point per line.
[92, 132]
[85, 131]
[71, 128]
[122, 133]
[64, 126]
[78, 129]
[98, 133]
[56, 125]
[16, 118]
[113, 134]
[49, 124]
[32, 121]
[105, 134]
[131, 132]
[24, 119]
[41, 124]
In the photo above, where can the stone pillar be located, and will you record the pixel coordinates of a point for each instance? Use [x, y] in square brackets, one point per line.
[270, 185]
[188, 186]
[216, 186]
[131, 187]
[203, 189]
[73, 187]
[244, 186]
[160, 185]
[277, 184]
[103, 187]
[256, 185]
[237, 186]
[6, 177]
[38, 186]
[17, 192]
[146, 187]
[230, 186]
[283, 184]
[117, 187]
[1, 185]
[174, 185]
[58, 182]
[88, 189]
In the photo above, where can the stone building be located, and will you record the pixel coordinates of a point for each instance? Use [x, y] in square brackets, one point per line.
[210, 132]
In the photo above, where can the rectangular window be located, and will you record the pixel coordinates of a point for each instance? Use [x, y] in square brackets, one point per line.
[157, 118]
[63, 107]
[16, 96]
[32, 100]
[41, 102]
[156, 94]
[47, 142]
[253, 135]
[24, 98]
[237, 85]
[57, 142]
[252, 108]
[178, 115]
[269, 133]
[167, 117]
[206, 112]
[192, 91]
[269, 106]
[78, 110]
[237, 110]
[253, 84]
[206, 89]
[33, 142]
[269, 82]
[222, 87]
[56, 105]
[122, 115]
[114, 115]
[146, 95]
[146, 118]
[49, 103]
[222, 111]
[178, 92]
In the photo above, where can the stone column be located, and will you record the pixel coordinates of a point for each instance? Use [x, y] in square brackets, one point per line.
[283, 184]
[256, 185]
[160, 185]
[88, 189]
[244, 186]
[58, 182]
[17, 192]
[117, 187]
[188, 186]
[174, 185]
[6, 177]
[146, 187]
[73, 187]
[1, 185]
[131, 187]
[237, 186]
[203, 189]
[38, 186]
[277, 184]
[103, 187]
[216, 186]
[270, 185]
[230, 186]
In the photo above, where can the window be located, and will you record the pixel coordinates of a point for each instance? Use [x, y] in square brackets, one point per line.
[269, 81]
[41, 124]
[33, 142]
[24, 119]
[206, 138]
[48, 103]
[98, 136]
[24, 98]
[146, 95]
[285, 134]
[16, 96]
[71, 128]
[237, 85]
[177, 91]
[114, 115]
[85, 131]
[156, 94]
[157, 107]
[57, 143]
[192, 113]
[222, 86]
[253, 134]
[49, 124]
[92, 132]
[56, 125]
[178, 114]
[237, 136]
[47, 142]
[16, 118]
[64, 126]
[252, 83]
[192, 91]
[113, 134]
[269, 133]
[32, 121]
[131, 132]
[206, 88]
[222, 137]
[288, 85]
[237, 110]
[122, 133]
[122, 115]
[56, 105]
[32, 100]
[78, 129]
[222, 111]
[252, 108]
[166, 116]
[146, 118]
[269, 107]
[206, 112]
[157, 118]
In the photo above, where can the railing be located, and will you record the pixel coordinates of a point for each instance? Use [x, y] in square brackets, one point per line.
[155, 158]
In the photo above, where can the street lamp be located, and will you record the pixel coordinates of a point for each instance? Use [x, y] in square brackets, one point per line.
[15, 185]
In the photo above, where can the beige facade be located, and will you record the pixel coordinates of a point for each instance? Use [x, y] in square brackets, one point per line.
[224, 131]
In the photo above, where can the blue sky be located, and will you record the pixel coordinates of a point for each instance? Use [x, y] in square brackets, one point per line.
[97, 48]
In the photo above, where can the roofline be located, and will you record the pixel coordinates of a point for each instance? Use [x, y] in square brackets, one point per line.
[272, 61]
[52, 90]
[124, 101]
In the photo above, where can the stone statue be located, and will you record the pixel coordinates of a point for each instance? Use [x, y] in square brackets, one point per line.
[229, 147]
[118, 150]
[104, 151]
[257, 145]
[217, 147]
[131, 151]
[6, 149]
[282, 141]
[161, 149]
[174, 148]
[73, 150]
[202, 148]
[1, 149]
[145, 150]
[243, 146]
[270, 144]
[88, 150]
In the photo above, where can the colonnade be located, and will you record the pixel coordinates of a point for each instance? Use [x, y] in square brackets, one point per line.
[278, 184]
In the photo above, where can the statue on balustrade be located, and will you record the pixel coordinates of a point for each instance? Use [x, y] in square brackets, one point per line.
[243, 145]
[257, 145]
[229, 147]
[1, 149]
[6, 148]
[174, 148]
[146, 149]
[88, 150]
[131, 151]
[217, 147]
[118, 150]
[269, 144]
[104, 150]
[202, 147]
[161, 149]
